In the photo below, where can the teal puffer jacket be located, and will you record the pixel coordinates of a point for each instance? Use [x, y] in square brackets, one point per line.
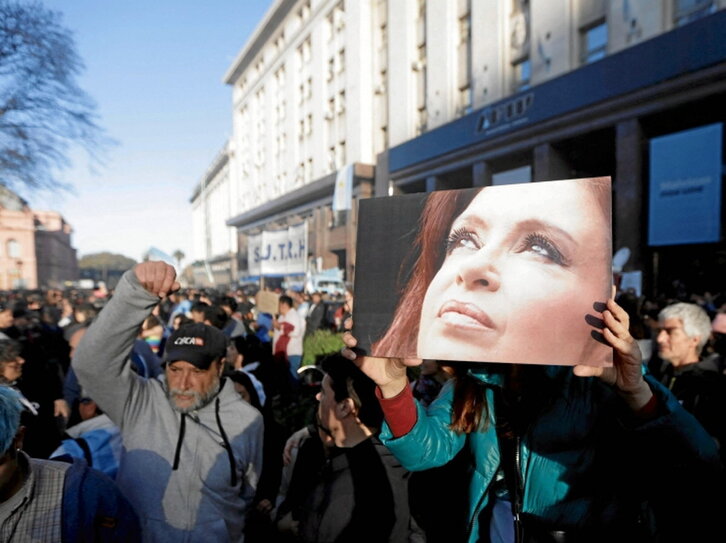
[585, 460]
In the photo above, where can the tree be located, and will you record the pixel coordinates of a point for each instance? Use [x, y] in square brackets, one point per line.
[178, 256]
[43, 111]
[106, 267]
[108, 261]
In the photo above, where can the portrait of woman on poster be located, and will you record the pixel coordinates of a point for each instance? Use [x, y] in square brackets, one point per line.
[516, 273]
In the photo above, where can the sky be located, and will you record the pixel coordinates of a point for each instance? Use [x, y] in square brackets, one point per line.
[155, 72]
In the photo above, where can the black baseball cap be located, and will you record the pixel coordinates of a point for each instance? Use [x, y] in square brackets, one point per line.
[197, 343]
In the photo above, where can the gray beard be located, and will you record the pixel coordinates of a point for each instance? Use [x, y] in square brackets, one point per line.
[200, 398]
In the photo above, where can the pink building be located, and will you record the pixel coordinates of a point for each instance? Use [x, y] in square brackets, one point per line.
[35, 246]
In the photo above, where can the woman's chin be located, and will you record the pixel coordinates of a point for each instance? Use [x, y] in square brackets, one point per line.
[452, 350]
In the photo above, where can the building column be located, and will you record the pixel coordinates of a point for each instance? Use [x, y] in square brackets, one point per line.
[432, 183]
[629, 193]
[481, 174]
[549, 164]
[381, 177]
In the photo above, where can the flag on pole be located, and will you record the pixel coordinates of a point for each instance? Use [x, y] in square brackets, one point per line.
[343, 193]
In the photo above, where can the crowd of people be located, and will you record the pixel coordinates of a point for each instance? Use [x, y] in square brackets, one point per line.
[157, 413]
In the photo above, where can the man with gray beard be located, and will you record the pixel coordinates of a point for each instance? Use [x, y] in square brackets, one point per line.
[192, 447]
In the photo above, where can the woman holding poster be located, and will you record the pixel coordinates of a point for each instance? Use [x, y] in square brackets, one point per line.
[596, 453]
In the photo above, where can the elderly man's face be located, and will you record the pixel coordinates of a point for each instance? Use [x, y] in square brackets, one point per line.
[190, 388]
[674, 345]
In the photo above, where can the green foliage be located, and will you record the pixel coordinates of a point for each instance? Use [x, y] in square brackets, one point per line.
[106, 261]
[319, 343]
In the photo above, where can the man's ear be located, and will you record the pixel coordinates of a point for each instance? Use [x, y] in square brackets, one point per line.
[19, 438]
[220, 371]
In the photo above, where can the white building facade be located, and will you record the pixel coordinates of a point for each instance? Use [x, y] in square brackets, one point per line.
[214, 244]
[421, 95]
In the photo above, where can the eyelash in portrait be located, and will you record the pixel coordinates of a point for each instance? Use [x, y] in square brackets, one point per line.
[458, 236]
[550, 251]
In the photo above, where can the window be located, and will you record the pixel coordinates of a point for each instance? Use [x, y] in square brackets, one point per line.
[309, 169]
[304, 12]
[331, 68]
[341, 61]
[331, 158]
[686, 11]
[304, 51]
[280, 78]
[464, 58]
[340, 154]
[13, 248]
[280, 42]
[594, 42]
[522, 74]
[420, 69]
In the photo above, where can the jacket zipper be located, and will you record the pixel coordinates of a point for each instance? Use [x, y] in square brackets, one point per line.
[519, 491]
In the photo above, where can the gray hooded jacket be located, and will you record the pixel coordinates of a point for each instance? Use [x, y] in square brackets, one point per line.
[191, 477]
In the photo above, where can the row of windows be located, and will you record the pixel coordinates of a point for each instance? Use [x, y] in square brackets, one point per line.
[593, 38]
[593, 45]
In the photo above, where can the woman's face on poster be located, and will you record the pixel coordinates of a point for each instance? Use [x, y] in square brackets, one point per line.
[523, 269]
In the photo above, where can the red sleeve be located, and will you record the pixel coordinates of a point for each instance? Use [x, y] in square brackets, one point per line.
[399, 411]
[649, 410]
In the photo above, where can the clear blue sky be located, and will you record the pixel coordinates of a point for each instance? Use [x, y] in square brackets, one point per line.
[155, 70]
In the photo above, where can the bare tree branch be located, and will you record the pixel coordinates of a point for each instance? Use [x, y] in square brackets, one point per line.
[43, 111]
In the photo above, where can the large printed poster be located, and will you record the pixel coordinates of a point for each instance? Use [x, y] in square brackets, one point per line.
[514, 273]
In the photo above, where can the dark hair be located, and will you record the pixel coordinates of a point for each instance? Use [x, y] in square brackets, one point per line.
[199, 307]
[439, 213]
[250, 347]
[9, 350]
[216, 316]
[243, 379]
[285, 299]
[150, 322]
[228, 301]
[87, 309]
[50, 314]
[183, 319]
[348, 381]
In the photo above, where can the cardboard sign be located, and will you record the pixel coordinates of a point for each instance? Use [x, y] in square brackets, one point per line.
[515, 273]
[267, 302]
